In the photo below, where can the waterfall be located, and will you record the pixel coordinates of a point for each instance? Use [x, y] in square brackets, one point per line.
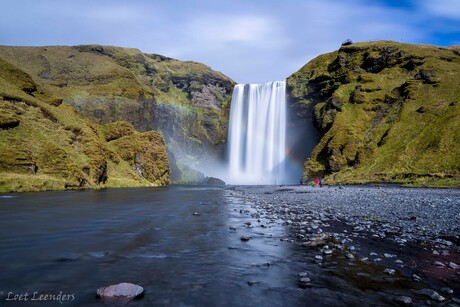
[257, 134]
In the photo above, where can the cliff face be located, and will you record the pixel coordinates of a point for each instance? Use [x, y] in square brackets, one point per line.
[385, 111]
[46, 145]
[186, 101]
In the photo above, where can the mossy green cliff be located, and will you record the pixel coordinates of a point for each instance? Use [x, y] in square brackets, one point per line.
[187, 101]
[387, 112]
[46, 145]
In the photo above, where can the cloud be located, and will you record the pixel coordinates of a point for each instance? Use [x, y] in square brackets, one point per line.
[251, 41]
[228, 29]
[443, 8]
[115, 14]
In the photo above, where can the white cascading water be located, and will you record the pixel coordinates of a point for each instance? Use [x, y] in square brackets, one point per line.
[257, 133]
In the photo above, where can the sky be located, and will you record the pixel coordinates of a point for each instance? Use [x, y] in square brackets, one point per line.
[251, 41]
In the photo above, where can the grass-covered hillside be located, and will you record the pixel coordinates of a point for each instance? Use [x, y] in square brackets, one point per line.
[186, 101]
[46, 145]
[387, 112]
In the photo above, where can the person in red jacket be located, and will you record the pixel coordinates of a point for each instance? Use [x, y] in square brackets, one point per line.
[316, 181]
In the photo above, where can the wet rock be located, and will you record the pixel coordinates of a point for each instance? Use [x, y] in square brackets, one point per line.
[398, 261]
[403, 300]
[232, 228]
[389, 255]
[454, 266]
[304, 280]
[213, 181]
[377, 259]
[389, 271]
[415, 277]
[456, 300]
[251, 282]
[245, 239]
[350, 256]
[327, 251]
[439, 263]
[123, 291]
[447, 290]
[431, 294]
[318, 257]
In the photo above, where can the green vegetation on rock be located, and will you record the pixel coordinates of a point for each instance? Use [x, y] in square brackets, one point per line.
[46, 145]
[387, 112]
[187, 101]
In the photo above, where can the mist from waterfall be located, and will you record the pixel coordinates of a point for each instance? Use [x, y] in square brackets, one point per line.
[257, 134]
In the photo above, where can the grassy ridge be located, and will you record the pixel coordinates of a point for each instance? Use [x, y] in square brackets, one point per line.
[46, 145]
[109, 84]
[387, 112]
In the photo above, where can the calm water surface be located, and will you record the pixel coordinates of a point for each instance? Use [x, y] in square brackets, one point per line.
[176, 242]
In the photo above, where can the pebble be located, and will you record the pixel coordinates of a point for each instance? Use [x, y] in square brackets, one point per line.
[389, 271]
[439, 263]
[377, 259]
[350, 256]
[251, 282]
[403, 300]
[318, 257]
[195, 213]
[327, 251]
[389, 255]
[245, 239]
[415, 277]
[453, 265]
[431, 294]
[398, 261]
[447, 290]
[304, 280]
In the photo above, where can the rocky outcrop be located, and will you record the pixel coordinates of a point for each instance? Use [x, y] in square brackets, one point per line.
[385, 111]
[46, 145]
[187, 101]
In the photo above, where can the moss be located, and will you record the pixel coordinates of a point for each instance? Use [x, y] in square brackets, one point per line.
[146, 154]
[115, 130]
[47, 146]
[387, 112]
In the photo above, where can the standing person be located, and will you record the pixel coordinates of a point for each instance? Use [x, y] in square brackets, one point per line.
[320, 182]
[316, 181]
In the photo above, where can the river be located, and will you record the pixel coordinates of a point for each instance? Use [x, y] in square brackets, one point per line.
[181, 243]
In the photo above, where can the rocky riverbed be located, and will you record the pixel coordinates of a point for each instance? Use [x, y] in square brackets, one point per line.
[398, 241]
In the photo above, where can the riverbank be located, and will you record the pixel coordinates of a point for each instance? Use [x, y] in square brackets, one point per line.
[375, 237]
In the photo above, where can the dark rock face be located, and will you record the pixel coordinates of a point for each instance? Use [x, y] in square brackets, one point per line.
[193, 136]
[213, 181]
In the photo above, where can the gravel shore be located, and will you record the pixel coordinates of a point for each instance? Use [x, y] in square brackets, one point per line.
[413, 232]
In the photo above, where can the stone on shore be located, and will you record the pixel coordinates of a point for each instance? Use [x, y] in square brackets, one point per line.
[123, 291]
[403, 300]
[453, 265]
[431, 294]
